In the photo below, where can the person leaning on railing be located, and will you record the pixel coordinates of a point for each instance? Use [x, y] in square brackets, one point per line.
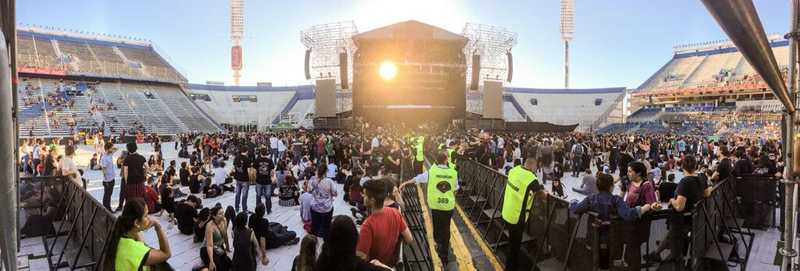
[605, 204]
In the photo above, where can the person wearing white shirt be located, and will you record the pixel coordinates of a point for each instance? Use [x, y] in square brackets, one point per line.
[68, 167]
[108, 167]
[273, 148]
[281, 148]
[219, 174]
[375, 142]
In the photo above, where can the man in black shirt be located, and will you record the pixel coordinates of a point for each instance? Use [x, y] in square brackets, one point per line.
[186, 214]
[134, 170]
[241, 164]
[264, 171]
[743, 165]
[724, 166]
[691, 189]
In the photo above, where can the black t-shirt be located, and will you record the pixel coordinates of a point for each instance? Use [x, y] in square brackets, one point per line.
[241, 163]
[743, 167]
[135, 163]
[394, 155]
[691, 187]
[49, 166]
[260, 227]
[184, 176]
[264, 167]
[724, 168]
[185, 213]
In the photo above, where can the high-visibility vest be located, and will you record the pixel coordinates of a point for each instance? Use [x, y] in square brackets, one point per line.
[130, 254]
[441, 184]
[518, 180]
[450, 157]
[420, 145]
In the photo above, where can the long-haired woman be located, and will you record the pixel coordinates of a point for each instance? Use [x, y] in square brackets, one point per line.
[126, 249]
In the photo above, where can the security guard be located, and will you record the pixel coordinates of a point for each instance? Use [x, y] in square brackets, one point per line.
[451, 149]
[441, 186]
[521, 179]
[420, 154]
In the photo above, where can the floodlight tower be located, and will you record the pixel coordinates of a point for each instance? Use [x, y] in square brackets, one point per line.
[567, 33]
[237, 31]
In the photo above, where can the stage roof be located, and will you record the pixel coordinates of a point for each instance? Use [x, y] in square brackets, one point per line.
[414, 30]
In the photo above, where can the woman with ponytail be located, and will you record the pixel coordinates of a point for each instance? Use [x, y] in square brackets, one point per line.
[126, 249]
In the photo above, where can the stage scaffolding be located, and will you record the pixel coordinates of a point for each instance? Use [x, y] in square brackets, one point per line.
[491, 43]
[326, 42]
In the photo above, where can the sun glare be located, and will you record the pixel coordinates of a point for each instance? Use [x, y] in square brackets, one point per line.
[387, 70]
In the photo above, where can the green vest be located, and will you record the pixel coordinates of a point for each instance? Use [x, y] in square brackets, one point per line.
[450, 157]
[130, 254]
[518, 180]
[441, 184]
[420, 146]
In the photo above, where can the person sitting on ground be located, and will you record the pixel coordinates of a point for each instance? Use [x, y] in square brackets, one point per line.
[245, 246]
[200, 225]
[383, 228]
[186, 214]
[305, 207]
[557, 188]
[93, 164]
[126, 249]
[167, 198]
[605, 205]
[339, 250]
[270, 235]
[289, 192]
[183, 174]
[215, 248]
[151, 198]
[308, 253]
[588, 185]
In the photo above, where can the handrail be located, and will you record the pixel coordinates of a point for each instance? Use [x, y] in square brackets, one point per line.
[84, 220]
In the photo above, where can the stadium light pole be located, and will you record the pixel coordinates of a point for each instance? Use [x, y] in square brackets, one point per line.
[237, 32]
[789, 250]
[567, 33]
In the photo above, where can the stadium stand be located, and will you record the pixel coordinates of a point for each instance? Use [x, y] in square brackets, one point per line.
[568, 106]
[245, 105]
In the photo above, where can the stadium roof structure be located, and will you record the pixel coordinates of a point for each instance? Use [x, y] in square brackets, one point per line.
[413, 30]
[248, 88]
[82, 37]
[565, 90]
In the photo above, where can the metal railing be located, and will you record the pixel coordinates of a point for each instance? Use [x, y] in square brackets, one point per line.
[80, 224]
[553, 235]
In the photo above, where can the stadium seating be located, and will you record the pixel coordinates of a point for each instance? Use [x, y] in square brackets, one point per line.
[98, 56]
[585, 107]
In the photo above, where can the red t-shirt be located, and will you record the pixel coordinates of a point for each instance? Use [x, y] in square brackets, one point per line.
[150, 198]
[379, 235]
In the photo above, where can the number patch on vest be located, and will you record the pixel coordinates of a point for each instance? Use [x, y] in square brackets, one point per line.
[442, 201]
[443, 186]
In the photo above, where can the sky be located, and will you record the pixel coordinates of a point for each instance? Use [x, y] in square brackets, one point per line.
[618, 43]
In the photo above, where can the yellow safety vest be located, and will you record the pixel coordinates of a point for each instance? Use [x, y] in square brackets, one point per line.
[518, 180]
[420, 145]
[441, 184]
[130, 254]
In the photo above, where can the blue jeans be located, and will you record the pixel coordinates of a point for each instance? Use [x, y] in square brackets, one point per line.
[264, 190]
[242, 188]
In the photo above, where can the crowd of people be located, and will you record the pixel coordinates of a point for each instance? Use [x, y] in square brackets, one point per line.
[306, 168]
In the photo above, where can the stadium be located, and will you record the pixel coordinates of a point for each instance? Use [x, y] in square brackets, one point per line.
[407, 146]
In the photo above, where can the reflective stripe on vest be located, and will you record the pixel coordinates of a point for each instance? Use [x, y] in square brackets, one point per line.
[441, 184]
[518, 180]
[420, 146]
[450, 158]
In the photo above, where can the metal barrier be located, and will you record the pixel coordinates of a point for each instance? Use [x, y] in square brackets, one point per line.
[550, 224]
[81, 224]
[416, 256]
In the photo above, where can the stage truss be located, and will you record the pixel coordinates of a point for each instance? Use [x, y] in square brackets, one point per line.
[491, 43]
[326, 41]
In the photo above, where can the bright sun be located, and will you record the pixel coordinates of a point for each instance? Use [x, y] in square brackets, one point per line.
[387, 70]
